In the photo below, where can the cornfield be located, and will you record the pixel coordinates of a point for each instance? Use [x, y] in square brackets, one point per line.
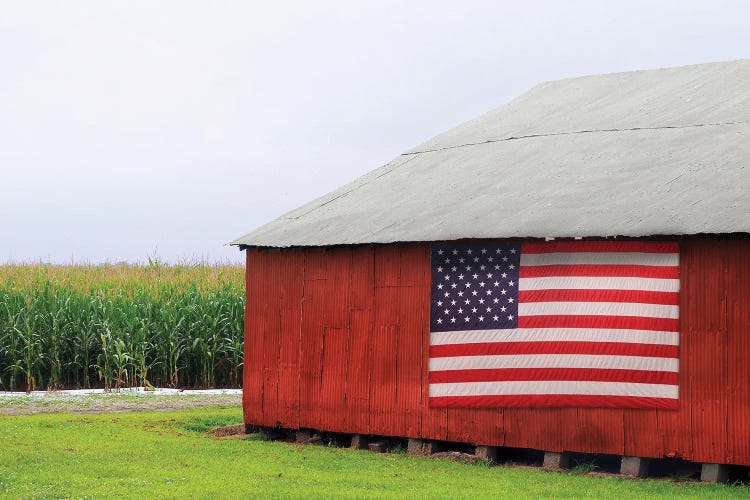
[113, 326]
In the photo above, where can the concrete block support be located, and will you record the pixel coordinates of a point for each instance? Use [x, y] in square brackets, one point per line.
[302, 435]
[430, 447]
[714, 473]
[634, 466]
[414, 447]
[555, 460]
[486, 453]
[359, 442]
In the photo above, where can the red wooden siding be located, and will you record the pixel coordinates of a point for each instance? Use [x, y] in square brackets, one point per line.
[336, 340]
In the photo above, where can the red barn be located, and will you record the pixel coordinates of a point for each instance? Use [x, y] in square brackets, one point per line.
[341, 292]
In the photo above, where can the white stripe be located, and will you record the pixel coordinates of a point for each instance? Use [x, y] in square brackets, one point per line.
[555, 335]
[598, 309]
[606, 283]
[524, 387]
[647, 363]
[600, 258]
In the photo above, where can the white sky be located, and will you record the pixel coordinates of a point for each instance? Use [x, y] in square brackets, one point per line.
[137, 129]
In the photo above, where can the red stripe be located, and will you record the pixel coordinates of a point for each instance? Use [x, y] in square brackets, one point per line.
[589, 348]
[600, 246]
[554, 401]
[570, 295]
[612, 322]
[579, 374]
[596, 270]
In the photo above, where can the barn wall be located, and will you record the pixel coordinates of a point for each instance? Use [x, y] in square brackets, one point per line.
[337, 340]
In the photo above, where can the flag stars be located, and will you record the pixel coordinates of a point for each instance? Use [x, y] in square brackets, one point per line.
[503, 309]
[482, 267]
[453, 285]
[503, 291]
[510, 317]
[511, 283]
[490, 259]
[481, 301]
[484, 250]
[455, 252]
[474, 293]
[511, 266]
[440, 321]
[496, 300]
[468, 268]
[447, 261]
[447, 294]
[475, 276]
[496, 317]
[504, 275]
[469, 251]
[473, 309]
[440, 252]
[453, 320]
[482, 283]
[461, 260]
[453, 302]
[440, 286]
[513, 251]
[468, 285]
[489, 309]
[510, 300]
[447, 311]
[440, 269]
[489, 292]
[460, 310]
[498, 251]
[476, 259]
[466, 319]
[454, 269]
[460, 276]
[460, 294]
[467, 302]
[447, 277]
[481, 318]
[439, 303]
[497, 283]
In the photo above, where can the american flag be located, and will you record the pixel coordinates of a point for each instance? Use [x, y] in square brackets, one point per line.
[557, 324]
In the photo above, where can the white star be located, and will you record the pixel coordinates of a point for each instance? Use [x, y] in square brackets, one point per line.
[504, 275]
[453, 302]
[497, 283]
[453, 285]
[482, 267]
[460, 294]
[513, 250]
[481, 301]
[439, 303]
[455, 252]
[466, 319]
[489, 309]
[473, 309]
[440, 286]
[462, 260]
[447, 294]
[495, 318]
[467, 302]
[453, 320]
[460, 276]
[440, 269]
[476, 259]
[447, 311]
[481, 318]
[447, 277]
[468, 285]
[497, 267]
[447, 261]
[481, 283]
[510, 317]
[498, 251]
[503, 291]
[495, 300]
[511, 266]
[475, 275]
[469, 251]
[505, 259]
[510, 300]
[460, 310]
[511, 283]
[502, 309]
[489, 292]
[468, 268]
[439, 320]
[490, 259]
[474, 293]
[440, 252]
[484, 250]
[454, 268]
[489, 275]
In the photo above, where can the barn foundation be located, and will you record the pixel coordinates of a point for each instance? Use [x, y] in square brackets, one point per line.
[556, 460]
[714, 473]
[486, 453]
[634, 466]
[359, 442]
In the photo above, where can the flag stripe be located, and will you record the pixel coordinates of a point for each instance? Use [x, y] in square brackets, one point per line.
[588, 283]
[607, 375]
[590, 348]
[598, 309]
[667, 298]
[614, 322]
[600, 258]
[551, 387]
[554, 335]
[553, 401]
[599, 246]
[598, 270]
[555, 361]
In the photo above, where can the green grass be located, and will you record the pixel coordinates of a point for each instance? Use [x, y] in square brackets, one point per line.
[167, 455]
[120, 325]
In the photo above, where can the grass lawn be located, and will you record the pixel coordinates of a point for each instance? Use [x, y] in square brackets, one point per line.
[169, 454]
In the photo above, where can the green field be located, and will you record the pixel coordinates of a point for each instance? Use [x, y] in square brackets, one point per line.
[120, 325]
[169, 455]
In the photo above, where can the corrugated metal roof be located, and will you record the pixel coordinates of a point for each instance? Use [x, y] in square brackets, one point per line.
[629, 154]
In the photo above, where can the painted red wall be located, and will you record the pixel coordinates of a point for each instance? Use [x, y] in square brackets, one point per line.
[336, 340]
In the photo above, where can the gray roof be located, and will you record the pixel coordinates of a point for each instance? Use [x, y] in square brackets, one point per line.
[660, 152]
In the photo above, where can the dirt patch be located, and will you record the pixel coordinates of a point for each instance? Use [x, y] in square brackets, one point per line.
[228, 431]
[456, 456]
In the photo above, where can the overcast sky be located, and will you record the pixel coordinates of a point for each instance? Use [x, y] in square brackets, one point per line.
[137, 129]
